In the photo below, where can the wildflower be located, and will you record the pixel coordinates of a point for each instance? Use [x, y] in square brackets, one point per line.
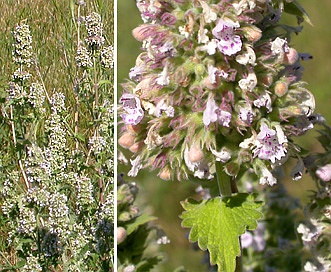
[162, 106]
[248, 57]
[324, 172]
[107, 56]
[37, 96]
[279, 46]
[131, 104]
[243, 5]
[94, 29]
[310, 232]
[136, 166]
[268, 144]
[83, 58]
[264, 100]
[246, 114]
[213, 113]
[255, 239]
[223, 156]
[163, 78]
[208, 13]
[248, 83]
[271, 143]
[228, 43]
[22, 52]
[267, 177]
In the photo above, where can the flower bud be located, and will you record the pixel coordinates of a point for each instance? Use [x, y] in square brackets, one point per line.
[267, 80]
[165, 173]
[142, 32]
[195, 154]
[126, 140]
[133, 129]
[252, 33]
[281, 88]
[291, 56]
[121, 235]
[136, 147]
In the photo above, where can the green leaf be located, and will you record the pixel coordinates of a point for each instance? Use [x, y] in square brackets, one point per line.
[217, 223]
[104, 82]
[148, 264]
[296, 9]
[133, 224]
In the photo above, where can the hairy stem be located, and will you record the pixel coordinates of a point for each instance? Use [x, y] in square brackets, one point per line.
[223, 180]
[226, 187]
[12, 124]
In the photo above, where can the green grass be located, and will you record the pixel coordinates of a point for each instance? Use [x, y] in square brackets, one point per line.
[53, 27]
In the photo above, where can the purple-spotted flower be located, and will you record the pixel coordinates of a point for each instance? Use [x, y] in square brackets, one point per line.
[214, 113]
[228, 43]
[269, 144]
[134, 113]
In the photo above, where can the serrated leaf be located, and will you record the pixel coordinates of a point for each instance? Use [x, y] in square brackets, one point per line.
[133, 224]
[296, 9]
[217, 223]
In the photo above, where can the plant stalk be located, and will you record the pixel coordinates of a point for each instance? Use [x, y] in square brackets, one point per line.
[225, 187]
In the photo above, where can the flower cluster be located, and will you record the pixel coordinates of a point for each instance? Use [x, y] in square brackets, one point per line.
[216, 81]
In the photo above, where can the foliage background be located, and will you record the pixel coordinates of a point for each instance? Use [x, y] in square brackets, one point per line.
[162, 198]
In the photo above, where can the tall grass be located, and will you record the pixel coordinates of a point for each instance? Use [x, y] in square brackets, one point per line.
[56, 135]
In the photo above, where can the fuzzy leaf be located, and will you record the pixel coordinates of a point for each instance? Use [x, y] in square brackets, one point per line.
[133, 224]
[217, 223]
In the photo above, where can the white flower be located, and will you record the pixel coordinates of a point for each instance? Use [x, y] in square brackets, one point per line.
[199, 168]
[248, 83]
[208, 13]
[223, 156]
[210, 47]
[136, 166]
[264, 100]
[324, 173]
[163, 77]
[161, 107]
[246, 114]
[243, 5]
[248, 57]
[153, 138]
[279, 46]
[209, 114]
[202, 37]
[183, 31]
[267, 177]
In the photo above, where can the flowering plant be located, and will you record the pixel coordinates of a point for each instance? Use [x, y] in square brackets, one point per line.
[57, 167]
[215, 96]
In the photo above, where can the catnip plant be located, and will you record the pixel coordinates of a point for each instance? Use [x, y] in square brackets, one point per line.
[57, 159]
[216, 97]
